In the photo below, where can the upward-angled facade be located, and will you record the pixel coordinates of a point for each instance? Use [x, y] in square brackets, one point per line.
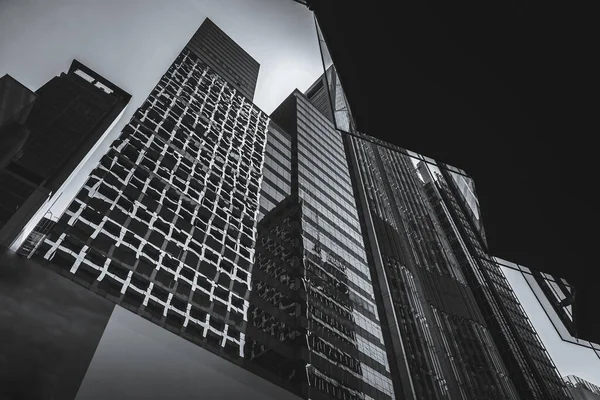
[315, 258]
[314, 321]
[225, 57]
[456, 328]
[165, 225]
[441, 343]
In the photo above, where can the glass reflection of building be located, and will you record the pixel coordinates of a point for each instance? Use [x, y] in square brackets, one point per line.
[455, 329]
[442, 345]
[556, 297]
[527, 362]
[316, 325]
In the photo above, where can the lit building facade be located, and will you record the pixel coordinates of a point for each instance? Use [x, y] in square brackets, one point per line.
[328, 262]
[70, 115]
[315, 325]
[442, 346]
[165, 225]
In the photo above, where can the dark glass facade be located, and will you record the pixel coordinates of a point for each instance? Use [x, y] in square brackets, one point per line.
[326, 261]
[455, 329]
[277, 170]
[315, 324]
[327, 95]
[529, 365]
[64, 123]
[71, 114]
[441, 343]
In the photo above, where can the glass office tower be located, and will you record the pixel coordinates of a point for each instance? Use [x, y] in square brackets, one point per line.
[226, 58]
[315, 325]
[165, 225]
[329, 262]
[442, 346]
[528, 364]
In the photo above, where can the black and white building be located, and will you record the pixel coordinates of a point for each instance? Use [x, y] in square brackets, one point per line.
[165, 225]
[328, 262]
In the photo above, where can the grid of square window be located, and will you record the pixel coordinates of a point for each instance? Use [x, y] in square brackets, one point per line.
[165, 225]
[330, 221]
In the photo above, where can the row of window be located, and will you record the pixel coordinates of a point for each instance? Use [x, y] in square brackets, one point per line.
[149, 234]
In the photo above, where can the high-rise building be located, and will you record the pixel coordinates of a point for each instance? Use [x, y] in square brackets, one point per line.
[70, 116]
[456, 328]
[16, 102]
[525, 359]
[328, 96]
[165, 225]
[440, 340]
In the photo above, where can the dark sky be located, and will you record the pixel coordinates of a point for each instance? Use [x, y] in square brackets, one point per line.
[501, 89]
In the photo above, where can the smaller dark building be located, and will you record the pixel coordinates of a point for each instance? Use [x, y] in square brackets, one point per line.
[16, 102]
[49, 137]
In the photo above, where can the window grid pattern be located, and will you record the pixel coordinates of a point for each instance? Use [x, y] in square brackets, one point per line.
[438, 317]
[521, 346]
[165, 225]
[331, 225]
[276, 183]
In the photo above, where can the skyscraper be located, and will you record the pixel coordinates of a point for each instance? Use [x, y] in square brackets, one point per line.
[165, 225]
[529, 365]
[70, 116]
[456, 328]
[226, 58]
[326, 261]
[440, 339]
[16, 102]
[314, 322]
